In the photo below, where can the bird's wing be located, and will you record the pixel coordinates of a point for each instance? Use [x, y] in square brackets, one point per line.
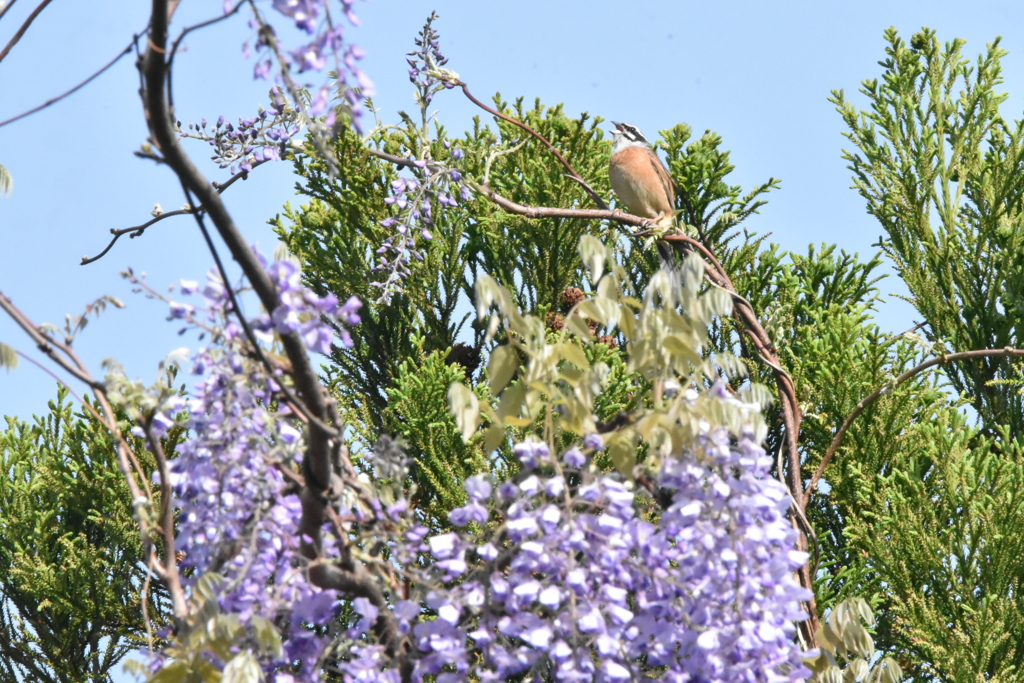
[666, 180]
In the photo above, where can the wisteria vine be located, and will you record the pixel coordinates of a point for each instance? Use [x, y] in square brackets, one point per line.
[432, 180]
[239, 511]
[564, 572]
[562, 575]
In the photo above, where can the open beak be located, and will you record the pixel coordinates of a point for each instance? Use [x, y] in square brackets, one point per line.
[618, 126]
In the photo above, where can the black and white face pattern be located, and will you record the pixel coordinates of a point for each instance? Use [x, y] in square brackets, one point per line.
[630, 132]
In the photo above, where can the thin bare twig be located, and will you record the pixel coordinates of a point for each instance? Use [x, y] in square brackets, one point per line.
[558, 212]
[393, 158]
[886, 388]
[8, 6]
[554, 150]
[75, 89]
[170, 563]
[24, 27]
[140, 229]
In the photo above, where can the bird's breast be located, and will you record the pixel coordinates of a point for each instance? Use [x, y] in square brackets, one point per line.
[637, 183]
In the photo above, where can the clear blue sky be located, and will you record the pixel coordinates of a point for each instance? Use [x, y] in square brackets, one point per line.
[758, 73]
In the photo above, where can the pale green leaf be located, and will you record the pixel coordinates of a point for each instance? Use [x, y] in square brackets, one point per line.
[831, 675]
[503, 363]
[8, 357]
[591, 309]
[493, 437]
[176, 672]
[511, 402]
[243, 668]
[860, 607]
[578, 326]
[486, 289]
[574, 354]
[678, 346]
[858, 640]
[593, 254]
[857, 670]
[621, 448]
[888, 671]
[717, 302]
[627, 322]
[267, 636]
[465, 408]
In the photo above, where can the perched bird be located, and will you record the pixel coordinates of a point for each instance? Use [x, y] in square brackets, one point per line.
[639, 178]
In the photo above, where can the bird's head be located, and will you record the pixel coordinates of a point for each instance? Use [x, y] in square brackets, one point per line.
[627, 135]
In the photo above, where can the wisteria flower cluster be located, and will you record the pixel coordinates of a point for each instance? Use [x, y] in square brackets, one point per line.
[432, 180]
[301, 310]
[566, 574]
[252, 141]
[326, 47]
[237, 517]
[414, 198]
[562, 573]
[426, 64]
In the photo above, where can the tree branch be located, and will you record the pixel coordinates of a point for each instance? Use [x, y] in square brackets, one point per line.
[317, 464]
[75, 89]
[49, 346]
[558, 212]
[167, 526]
[401, 162]
[140, 229]
[7, 7]
[569, 167]
[886, 388]
[24, 27]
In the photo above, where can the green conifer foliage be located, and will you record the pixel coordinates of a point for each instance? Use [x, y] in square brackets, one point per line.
[939, 167]
[942, 531]
[419, 410]
[72, 573]
[930, 500]
[407, 353]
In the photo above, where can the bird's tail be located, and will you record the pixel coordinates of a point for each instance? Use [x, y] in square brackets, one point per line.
[669, 262]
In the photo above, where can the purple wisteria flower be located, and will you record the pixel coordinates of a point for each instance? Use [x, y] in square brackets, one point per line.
[414, 198]
[236, 516]
[326, 48]
[250, 142]
[432, 181]
[576, 584]
[425, 64]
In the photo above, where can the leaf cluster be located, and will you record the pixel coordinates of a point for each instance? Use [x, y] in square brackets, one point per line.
[929, 498]
[72, 570]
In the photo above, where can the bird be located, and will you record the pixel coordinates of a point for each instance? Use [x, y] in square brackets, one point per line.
[639, 178]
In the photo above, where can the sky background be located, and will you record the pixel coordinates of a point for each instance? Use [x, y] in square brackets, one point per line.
[757, 73]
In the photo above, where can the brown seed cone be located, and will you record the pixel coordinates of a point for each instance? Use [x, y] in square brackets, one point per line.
[466, 356]
[570, 297]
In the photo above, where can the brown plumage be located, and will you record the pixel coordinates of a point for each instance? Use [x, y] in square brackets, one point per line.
[639, 178]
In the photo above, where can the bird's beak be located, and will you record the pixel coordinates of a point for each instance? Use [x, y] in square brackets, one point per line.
[618, 126]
